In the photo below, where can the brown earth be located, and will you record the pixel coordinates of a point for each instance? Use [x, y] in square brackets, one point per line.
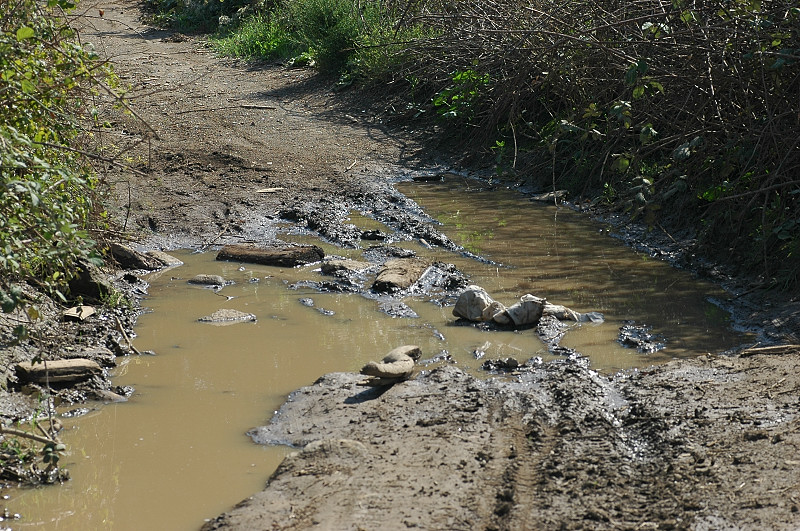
[224, 150]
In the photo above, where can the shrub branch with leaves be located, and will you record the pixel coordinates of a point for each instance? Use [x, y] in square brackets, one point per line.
[48, 190]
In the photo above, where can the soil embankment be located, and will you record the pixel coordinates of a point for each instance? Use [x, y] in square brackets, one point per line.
[225, 150]
[703, 444]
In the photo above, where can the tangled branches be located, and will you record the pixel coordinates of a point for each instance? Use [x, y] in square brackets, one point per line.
[687, 107]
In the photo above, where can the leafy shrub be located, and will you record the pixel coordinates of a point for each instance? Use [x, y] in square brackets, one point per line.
[48, 192]
[330, 28]
[258, 37]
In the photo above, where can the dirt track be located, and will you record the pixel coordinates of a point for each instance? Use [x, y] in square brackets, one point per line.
[706, 444]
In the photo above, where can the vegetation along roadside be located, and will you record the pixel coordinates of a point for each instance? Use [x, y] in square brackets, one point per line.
[679, 115]
[53, 231]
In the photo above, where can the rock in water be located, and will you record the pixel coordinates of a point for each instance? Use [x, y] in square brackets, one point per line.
[399, 274]
[167, 259]
[129, 258]
[562, 313]
[290, 256]
[526, 312]
[208, 280]
[474, 304]
[337, 267]
[226, 316]
[397, 364]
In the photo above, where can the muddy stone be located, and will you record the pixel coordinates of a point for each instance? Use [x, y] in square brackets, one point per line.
[58, 372]
[277, 256]
[208, 280]
[399, 363]
[337, 267]
[129, 258]
[399, 274]
[227, 316]
[166, 259]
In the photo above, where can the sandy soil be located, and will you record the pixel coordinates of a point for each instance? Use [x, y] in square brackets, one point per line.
[223, 148]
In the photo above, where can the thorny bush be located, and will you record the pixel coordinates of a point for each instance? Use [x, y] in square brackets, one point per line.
[687, 110]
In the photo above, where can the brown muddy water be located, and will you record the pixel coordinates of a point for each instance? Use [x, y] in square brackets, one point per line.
[176, 453]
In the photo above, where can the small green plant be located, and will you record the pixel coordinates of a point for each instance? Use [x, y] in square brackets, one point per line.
[459, 99]
[258, 37]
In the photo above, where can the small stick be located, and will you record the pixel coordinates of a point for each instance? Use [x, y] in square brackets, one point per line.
[27, 435]
[127, 339]
[215, 238]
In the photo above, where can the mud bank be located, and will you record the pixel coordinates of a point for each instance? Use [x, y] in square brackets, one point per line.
[709, 443]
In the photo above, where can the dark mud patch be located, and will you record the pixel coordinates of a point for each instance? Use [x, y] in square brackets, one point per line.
[641, 338]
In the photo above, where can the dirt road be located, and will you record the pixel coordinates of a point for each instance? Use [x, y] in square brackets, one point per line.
[222, 148]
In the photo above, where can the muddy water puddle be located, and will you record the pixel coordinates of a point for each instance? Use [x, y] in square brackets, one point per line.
[177, 452]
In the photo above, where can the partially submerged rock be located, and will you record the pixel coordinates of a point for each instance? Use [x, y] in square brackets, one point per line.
[526, 312]
[129, 258]
[289, 256]
[58, 372]
[208, 280]
[396, 365]
[227, 316]
[399, 274]
[476, 305]
[343, 266]
[166, 259]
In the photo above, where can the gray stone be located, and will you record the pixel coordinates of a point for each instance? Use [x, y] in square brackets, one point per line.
[129, 258]
[208, 280]
[475, 304]
[399, 363]
[289, 256]
[339, 266]
[527, 311]
[399, 274]
[58, 372]
[227, 316]
[561, 313]
[166, 259]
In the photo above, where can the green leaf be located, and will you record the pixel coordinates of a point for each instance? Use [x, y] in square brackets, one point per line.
[27, 86]
[622, 164]
[25, 32]
[638, 92]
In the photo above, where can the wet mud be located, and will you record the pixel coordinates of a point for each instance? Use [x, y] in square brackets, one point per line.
[700, 444]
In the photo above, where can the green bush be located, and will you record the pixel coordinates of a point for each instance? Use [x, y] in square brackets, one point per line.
[330, 28]
[258, 37]
[194, 15]
[48, 192]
